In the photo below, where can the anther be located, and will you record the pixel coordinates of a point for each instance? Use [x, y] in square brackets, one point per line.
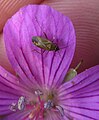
[21, 103]
[13, 107]
[38, 93]
[60, 109]
[48, 105]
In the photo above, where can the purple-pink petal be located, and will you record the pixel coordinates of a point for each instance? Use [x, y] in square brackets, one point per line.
[11, 81]
[30, 63]
[52, 115]
[10, 91]
[80, 96]
[17, 116]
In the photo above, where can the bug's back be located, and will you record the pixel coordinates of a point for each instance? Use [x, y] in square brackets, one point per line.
[44, 43]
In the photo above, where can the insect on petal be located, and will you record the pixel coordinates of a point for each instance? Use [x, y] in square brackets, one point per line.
[35, 20]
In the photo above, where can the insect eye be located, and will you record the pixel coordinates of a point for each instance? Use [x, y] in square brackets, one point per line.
[57, 48]
[35, 42]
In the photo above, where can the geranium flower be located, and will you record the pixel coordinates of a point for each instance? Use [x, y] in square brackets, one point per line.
[38, 92]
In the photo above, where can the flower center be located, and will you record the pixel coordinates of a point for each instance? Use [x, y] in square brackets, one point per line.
[38, 109]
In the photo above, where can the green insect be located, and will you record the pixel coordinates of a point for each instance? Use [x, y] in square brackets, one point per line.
[72, 72]
[44, 43]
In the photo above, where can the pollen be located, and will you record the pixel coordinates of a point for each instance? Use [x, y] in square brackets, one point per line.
[50, 96]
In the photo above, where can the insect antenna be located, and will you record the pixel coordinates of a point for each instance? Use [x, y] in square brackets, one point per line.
[41, 27]
[45, 36]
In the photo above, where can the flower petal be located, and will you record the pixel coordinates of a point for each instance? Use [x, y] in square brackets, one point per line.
[10, 91]
[29, 61]
[7, 97]
[19, 63]
[52, 115]
[80, 96]
[9, 80]
[17, 115]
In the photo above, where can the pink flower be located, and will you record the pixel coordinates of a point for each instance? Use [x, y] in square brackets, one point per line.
[38, 91]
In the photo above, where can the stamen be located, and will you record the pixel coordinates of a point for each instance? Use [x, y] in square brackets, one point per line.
[13, 107]
[48, 105]
[61, 110]
[21, 103]
[38, 93]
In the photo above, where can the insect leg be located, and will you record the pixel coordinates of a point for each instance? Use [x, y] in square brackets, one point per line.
[41, 28]
[36, 51]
